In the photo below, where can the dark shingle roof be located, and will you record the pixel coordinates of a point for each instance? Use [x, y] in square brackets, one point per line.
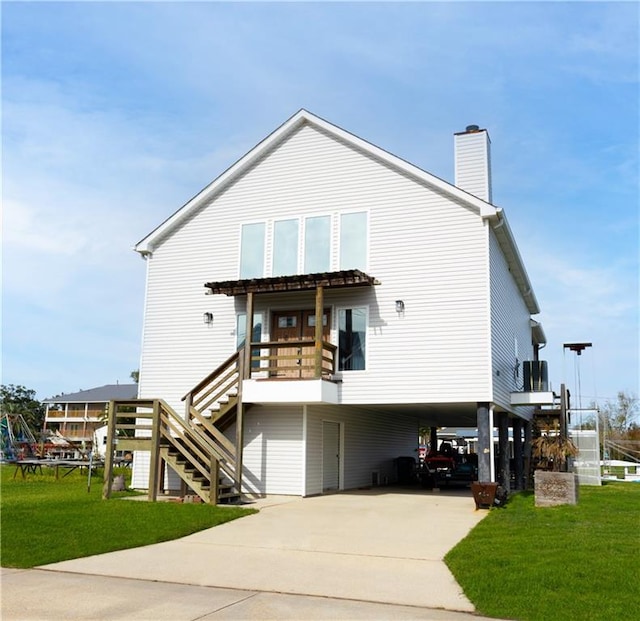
[98, 395]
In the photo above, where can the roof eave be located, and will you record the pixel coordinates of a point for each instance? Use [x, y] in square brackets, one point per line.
[537, 331]
[512, 254]
[146, 245]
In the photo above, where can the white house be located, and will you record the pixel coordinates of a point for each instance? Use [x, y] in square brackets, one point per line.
[426, 309]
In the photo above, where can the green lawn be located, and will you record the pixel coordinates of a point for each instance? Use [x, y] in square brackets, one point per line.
[45, 521]
[568, 563]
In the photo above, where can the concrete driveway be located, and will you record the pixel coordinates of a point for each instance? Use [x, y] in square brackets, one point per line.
[374, 545]
[380, 546]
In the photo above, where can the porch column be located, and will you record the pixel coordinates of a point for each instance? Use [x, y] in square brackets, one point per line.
[248, 338]
[485, 442]
[239, 432]
[528, 437]
[504, 474]
[318, 331]
[518, 453]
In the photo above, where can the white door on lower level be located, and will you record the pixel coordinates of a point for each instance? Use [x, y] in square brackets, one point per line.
[330, 456]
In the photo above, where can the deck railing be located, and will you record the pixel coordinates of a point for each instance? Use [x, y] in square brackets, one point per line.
[301, 359]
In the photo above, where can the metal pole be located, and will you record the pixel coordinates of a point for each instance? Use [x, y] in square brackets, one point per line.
[89, 475]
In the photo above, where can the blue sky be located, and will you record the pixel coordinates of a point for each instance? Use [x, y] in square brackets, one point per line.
[115, 114]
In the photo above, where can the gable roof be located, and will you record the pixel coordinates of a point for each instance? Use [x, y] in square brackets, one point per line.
[303, 117]
[102, 394]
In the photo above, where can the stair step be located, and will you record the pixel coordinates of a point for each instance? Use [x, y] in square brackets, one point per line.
[227, 495]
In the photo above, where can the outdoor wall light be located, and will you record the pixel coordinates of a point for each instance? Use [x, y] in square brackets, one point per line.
[207, 318]
[399, 306]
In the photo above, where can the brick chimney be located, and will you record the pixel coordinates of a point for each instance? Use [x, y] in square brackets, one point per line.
[473, 162]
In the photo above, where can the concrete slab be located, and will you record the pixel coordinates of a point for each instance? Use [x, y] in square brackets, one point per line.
[378, 546]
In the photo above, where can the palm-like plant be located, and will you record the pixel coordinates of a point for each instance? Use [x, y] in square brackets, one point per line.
[551, 449]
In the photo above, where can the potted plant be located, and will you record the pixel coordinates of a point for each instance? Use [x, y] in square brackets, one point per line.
[553, 485]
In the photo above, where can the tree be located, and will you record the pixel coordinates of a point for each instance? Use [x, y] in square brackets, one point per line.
[20, 400]
[619, 430]
[620, 415]
[135, 375]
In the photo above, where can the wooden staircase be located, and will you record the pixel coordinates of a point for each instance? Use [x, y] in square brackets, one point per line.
[194, 446]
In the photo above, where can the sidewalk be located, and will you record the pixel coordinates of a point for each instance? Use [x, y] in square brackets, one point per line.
[347, 553]
[36, 595]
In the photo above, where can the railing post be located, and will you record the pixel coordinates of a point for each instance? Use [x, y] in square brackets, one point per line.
[318, 331]
[188, 402]
[246, 354]
[214, 473]
[239, 429]
[154, 457]
[108, 457]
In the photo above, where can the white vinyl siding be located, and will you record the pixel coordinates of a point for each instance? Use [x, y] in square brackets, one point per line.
[510, 329]
[423, 248]
[473, 164]
[273, 451]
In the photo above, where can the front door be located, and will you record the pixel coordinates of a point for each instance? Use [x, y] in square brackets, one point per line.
[330, 456]
[297, 360]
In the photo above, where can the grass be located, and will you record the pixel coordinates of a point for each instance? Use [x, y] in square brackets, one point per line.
[45, 520]
[573, 562]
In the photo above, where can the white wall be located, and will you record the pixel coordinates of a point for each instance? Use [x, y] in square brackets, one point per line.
[273, 453]
[510, 322]
[424, 249]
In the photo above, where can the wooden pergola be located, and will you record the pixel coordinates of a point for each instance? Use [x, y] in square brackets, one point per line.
[286, 284]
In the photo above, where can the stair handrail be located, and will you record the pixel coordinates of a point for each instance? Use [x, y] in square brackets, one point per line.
[192, 433]
[208, 379]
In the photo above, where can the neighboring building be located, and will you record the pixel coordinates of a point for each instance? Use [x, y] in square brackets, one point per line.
[426, 307]
[77, 415]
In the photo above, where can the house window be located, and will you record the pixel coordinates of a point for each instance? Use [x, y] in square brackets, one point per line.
[256, 337]
[353, 241]
[252, 250]
[352, 335]
[317, 244]
[288, 321]
[285, 247]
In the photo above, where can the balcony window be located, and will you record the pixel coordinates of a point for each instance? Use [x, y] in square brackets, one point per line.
[241, 334]
[352, 335]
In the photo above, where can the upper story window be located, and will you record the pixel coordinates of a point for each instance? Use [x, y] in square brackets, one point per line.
[317, 244]
[304, 245]
[353, 240]
[252, 250]
[285, 247]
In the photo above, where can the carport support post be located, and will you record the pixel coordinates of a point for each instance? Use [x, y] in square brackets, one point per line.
[317, 364]
[528, 437]
[504, 474]
[433, 439]
[518, 453]
[485, 442]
